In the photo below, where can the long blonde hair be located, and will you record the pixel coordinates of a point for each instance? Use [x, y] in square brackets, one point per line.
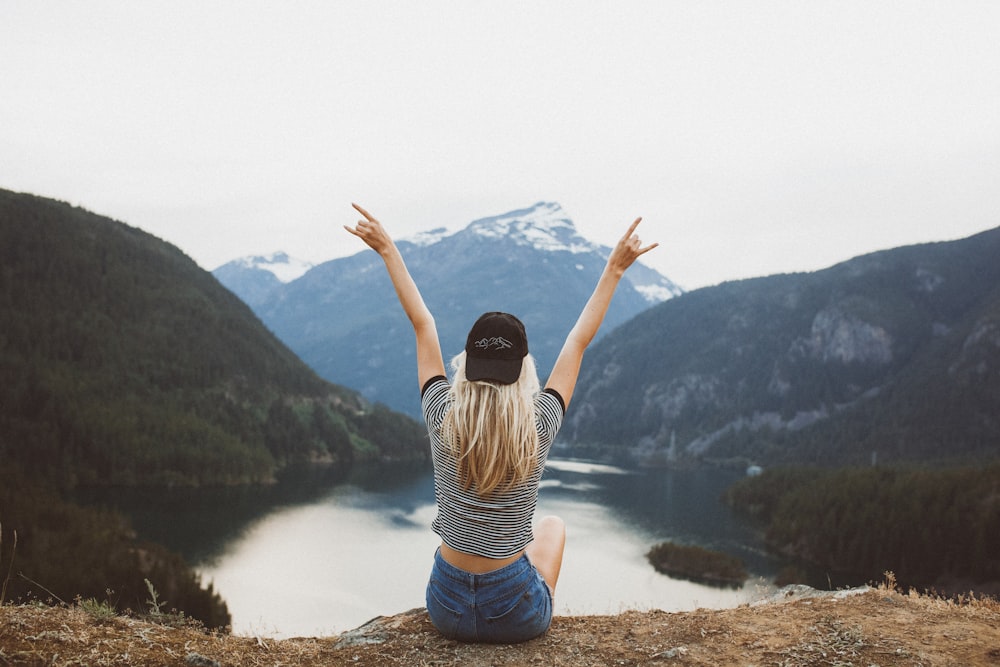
[490, 428]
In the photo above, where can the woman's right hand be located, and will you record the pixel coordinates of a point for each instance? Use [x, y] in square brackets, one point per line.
[371, 231]
[429, 360]
[628, 249]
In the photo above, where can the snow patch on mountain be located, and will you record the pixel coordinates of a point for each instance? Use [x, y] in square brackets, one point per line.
[427, 238]
[544, 226]
[655, 293]
[280, 264]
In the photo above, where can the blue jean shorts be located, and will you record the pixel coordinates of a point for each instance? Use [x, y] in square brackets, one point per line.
[505, 606]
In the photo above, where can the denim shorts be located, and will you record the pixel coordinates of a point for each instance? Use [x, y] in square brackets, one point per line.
[505, 606]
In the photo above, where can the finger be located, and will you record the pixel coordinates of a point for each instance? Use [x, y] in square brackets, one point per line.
[352, 230]
[631, 228]
[643, 251]
[363, 212]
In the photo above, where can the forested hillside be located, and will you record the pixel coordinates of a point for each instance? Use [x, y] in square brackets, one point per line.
[125, 363]
[932, 528]
[892, 356]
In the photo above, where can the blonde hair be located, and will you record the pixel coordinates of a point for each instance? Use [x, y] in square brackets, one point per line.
[491, 430]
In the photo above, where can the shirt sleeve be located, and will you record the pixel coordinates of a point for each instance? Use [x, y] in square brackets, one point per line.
[423, 390]
[562, 403]
[549, 413]
[434, 400]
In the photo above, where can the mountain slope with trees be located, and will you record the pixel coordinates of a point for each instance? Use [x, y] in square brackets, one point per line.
[126, 363]
[931, 528]
[889, 357]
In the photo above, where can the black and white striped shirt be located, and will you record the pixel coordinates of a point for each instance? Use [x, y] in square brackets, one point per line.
[499, 524]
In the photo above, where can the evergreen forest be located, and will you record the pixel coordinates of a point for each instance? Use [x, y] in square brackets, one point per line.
[933, 528]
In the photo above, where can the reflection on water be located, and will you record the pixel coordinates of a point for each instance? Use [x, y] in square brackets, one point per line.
[326, 550]
[199, 523]
[325, 567]
[584, 467]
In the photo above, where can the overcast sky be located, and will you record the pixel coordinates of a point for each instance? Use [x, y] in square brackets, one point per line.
[753, 137]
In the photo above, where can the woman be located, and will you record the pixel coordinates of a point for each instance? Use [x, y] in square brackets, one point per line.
[493, 577]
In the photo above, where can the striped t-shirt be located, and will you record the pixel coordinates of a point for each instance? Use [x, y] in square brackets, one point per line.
[499, 524]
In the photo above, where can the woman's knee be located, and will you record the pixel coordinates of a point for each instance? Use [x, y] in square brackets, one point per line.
[551, 526]
[549, 538]
[546, 551]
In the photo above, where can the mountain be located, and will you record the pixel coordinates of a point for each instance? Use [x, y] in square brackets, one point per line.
[126, 363]
[342, 317]
[889, 357]
[253, 278]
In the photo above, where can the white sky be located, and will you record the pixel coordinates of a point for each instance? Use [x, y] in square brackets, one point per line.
[753, 137]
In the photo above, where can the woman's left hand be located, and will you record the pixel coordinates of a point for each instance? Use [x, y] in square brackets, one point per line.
[371, 231]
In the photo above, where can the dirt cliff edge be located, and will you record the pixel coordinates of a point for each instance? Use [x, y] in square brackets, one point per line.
[876, 626]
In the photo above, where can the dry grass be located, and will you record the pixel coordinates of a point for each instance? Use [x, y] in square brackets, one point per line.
[879, 626]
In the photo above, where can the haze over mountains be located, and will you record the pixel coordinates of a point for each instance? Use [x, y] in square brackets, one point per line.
[342, 317]
[891, 356]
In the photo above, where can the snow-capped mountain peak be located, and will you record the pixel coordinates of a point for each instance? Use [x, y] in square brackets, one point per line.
[530, 261]
[544, 226]
[429, 237]
[280, 264]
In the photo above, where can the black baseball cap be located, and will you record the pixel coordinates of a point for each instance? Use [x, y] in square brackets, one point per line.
[495, 348]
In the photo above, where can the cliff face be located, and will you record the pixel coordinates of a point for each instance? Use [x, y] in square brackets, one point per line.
[844, 338]
[865, 627]
[894, 354]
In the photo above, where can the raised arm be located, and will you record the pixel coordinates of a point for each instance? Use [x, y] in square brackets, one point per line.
[567, 366]
[429, 359]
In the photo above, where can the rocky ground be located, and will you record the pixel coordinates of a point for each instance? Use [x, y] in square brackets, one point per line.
[799, 627]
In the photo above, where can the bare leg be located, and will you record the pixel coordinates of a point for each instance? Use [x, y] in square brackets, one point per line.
[546, 550]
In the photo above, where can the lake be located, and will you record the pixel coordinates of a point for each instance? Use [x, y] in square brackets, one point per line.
[325, 550]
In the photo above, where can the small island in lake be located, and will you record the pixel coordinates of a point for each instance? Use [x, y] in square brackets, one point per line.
[697, 564]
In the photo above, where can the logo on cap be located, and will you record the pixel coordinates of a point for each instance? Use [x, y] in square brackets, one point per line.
[494, 343]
